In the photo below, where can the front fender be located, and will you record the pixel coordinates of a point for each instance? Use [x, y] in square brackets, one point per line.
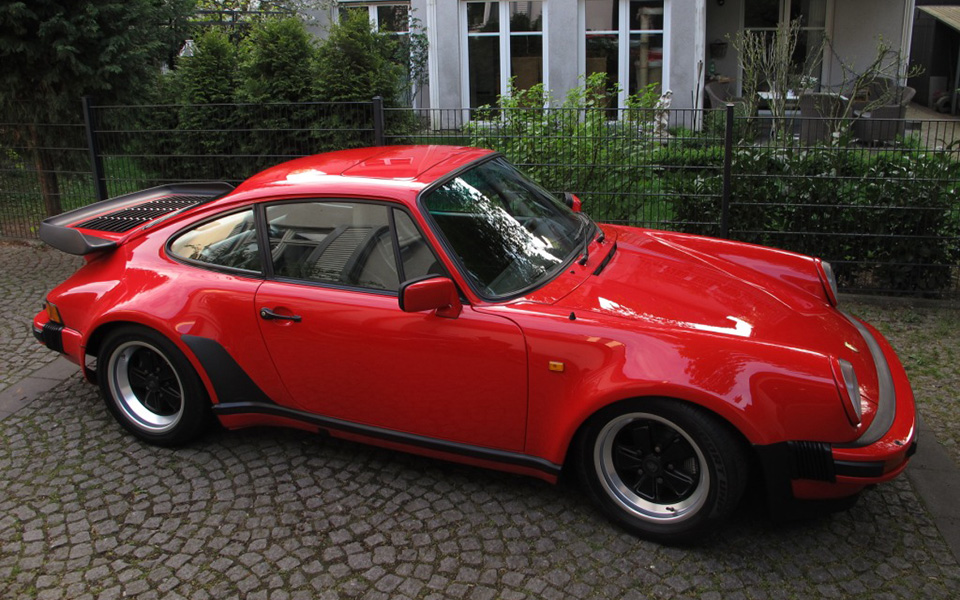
[769, 393]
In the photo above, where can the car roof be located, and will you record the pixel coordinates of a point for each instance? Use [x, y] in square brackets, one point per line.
[361, 169]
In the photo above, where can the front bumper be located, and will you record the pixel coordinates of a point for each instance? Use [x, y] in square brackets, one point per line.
[50, 334]
[820, 470]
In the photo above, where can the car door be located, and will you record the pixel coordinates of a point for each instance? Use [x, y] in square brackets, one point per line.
[331, 321]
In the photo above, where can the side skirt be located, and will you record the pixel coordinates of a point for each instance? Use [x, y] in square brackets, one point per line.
[407, 439]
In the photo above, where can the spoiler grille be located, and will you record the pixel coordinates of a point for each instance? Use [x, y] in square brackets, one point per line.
[128, 218]
[123, 213]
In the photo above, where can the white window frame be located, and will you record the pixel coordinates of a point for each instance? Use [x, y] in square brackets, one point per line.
[371, 6]
[506, 67]
[623, 33]
[784, 17]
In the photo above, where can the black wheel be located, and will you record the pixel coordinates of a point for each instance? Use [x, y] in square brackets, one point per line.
[665, 470]
[151, 388]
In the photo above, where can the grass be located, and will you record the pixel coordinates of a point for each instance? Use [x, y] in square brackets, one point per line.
[124, 175]
[21, 201]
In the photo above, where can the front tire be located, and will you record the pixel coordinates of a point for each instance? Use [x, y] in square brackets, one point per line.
[151, 388]
[666, 470]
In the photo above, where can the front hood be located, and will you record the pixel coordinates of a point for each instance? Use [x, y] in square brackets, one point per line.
[674, 280]
[677, 282]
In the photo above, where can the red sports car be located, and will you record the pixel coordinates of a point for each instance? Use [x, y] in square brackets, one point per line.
[434, 300]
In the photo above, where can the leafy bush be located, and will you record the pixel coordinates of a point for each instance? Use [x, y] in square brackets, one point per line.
[916, 199]
[855, 209]
[746, 126]
[580, 146]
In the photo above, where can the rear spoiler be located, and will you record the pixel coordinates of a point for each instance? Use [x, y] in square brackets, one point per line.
[123, 213]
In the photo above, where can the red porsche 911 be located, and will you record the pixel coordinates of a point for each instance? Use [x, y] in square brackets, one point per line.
[433, 299]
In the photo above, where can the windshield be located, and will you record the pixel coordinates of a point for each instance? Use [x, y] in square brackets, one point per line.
[508, 233]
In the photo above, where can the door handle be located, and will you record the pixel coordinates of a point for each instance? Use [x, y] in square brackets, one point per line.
[268, 315]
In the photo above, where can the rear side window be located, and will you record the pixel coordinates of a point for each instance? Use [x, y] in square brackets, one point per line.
[348, 243]
[341, 243]
[229, 241]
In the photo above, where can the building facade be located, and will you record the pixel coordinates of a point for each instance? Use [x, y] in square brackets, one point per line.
[478, 46]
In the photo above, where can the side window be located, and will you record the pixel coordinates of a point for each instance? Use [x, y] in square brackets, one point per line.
[343, 243]
[418, 259]
[230, 241]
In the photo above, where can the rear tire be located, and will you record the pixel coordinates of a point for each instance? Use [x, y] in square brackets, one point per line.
[665, 470]
[151, 388]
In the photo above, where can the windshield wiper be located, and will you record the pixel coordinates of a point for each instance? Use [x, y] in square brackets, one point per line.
[587, 238]
[603, 263]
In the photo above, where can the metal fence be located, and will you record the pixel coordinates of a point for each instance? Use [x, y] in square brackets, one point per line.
[624, 164]
[43, 167]
[878, 198]
[882, 203]
[142, 146]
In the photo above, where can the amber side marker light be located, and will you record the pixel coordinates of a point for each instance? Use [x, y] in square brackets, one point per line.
[53, 312]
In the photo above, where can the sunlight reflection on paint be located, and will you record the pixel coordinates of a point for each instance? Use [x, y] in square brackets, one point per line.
[740, 327]
[305, 176]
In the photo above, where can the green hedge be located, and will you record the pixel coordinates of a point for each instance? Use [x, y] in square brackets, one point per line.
[889, 219]
[889, 215]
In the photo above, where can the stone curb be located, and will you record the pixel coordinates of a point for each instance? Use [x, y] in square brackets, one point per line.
[936, 478]
[41, 381]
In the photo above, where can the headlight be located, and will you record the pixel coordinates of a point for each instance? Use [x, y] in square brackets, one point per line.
[849, 389]
[828, 279]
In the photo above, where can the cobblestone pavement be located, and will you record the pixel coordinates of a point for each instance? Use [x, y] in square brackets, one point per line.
[86, 511]
[27, 272]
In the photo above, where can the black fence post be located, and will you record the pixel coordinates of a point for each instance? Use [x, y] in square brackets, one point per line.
[379, 136]
[727, 169]
[96, 161]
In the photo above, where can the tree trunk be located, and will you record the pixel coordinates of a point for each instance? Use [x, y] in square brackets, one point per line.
[46, 174]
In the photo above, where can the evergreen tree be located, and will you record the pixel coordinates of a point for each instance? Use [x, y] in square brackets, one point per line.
[211, 75]
[206, 85]
[278, 70]
[54, 52]
[356, 63]
[279, 63]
